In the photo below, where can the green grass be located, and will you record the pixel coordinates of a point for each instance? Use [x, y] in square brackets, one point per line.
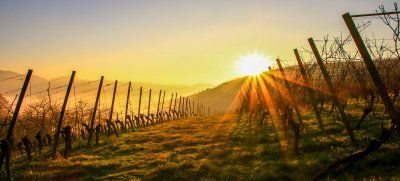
[216, 148]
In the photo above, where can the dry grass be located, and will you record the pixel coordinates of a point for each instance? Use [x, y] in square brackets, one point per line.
[213, 148]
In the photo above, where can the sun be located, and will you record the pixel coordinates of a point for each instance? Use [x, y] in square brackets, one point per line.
[252, 64]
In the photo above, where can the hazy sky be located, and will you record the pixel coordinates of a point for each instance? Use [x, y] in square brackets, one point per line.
[161, 41]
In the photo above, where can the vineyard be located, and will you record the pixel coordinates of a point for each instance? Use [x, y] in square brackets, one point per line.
[333, 112]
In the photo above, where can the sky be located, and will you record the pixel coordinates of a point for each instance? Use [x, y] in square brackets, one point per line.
[159, 41]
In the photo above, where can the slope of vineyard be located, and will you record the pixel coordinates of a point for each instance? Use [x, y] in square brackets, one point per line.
[215, 148]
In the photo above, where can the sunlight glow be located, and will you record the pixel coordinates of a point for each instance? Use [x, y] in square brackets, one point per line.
[253, 64]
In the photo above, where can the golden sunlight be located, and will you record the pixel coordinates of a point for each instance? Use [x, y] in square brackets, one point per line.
[253, 64]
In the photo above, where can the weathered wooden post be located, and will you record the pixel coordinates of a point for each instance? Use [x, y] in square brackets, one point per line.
[333, 92]
[149, 104]
[176, 95]
[112, 107]
[94, 112]
[376, 78]
[170, 103]
[127, 102]
[186, 106]
[179, 107]
[6, 143]
[162, 104]
[193, 108]
[158, 103]
[61, 117]
[290, 94]
[309, 90]
[140, 101]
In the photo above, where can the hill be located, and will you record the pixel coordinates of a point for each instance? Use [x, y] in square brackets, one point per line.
[39, 84]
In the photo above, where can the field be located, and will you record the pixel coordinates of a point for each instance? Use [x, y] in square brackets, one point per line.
[216, 148]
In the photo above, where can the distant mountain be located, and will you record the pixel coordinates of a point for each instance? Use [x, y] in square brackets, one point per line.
[12, 81]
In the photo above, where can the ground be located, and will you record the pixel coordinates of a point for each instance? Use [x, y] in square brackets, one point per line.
[215, 148]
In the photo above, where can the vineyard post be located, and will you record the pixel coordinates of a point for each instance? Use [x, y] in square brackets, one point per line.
[176, 95]
[140, 101]
[112, 106]
[113, 100]
[170, 103]
[5, 154]
[158, 103]
[179, 104]
[162, 104]
[127, 101]
[380, 87]
[283, 106]
[289, 90]
[198, 109]
[61, 117]
[186, 106]
[94, 112]
[183, 106]
[333, 92]
[148, 105]
[309, 90]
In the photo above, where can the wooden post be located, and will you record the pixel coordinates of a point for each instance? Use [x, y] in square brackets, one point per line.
[158, 103]
[112, 107]
[170, 103]
[61, 117]
[192, 108]
[18, 106]
[6, 144]
[333, 92]
[113, 100]
[179, 105]
[127, 101]
[140, 101]
[94, 112]
[376, 78]
[148, 106]
[309, 90]
[176, 95]
[162, 105]
[290, 94]
[186, 106]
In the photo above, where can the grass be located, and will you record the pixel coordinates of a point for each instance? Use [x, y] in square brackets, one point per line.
[215, 148]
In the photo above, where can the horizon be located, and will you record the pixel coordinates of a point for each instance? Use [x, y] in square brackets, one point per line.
[158, 42]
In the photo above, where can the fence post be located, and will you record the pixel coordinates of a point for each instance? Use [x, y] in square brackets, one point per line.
[113, 100]
[176, 95]
[179, 106]
[186, 107]
[5, 154]
[158, 103]
[290, 94]
[94, 112]
[140, 101]
[162, 104]
[373, 72]
[112, 108]
[309, 90]
[170, 103]
[333, 92]
[148, 106]
[127, 101]
[61, 117]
